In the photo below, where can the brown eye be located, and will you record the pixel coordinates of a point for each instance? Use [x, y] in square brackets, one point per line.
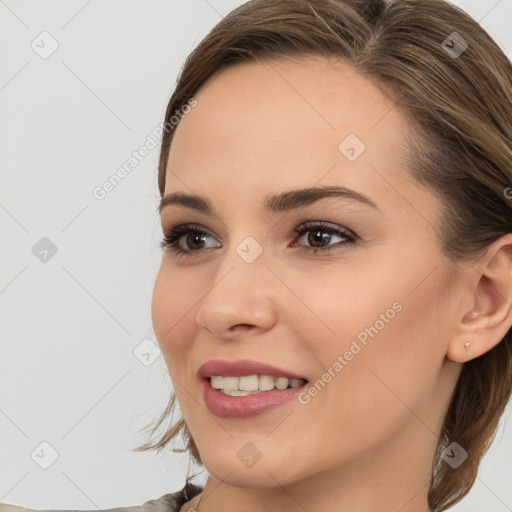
[185, 240]
[318, 237]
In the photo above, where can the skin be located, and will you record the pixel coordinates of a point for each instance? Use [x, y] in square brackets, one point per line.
[367, 440]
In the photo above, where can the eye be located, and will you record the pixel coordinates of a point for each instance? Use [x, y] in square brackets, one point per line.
[185, 239]
[320, 235]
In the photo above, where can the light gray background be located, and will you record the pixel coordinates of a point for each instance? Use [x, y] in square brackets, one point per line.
[69, 327]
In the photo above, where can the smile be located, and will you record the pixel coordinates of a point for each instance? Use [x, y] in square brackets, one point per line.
[252, 384]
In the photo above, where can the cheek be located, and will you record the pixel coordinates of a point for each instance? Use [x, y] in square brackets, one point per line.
[171, 309]
[376, 347]
[340, 306]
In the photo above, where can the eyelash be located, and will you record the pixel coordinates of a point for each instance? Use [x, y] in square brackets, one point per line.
[170, 239]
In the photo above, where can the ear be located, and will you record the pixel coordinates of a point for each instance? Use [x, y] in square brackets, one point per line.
[488, 320]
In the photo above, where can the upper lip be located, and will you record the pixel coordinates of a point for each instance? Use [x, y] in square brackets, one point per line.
[243, 367]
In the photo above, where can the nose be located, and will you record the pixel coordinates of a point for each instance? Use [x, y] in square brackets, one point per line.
[240, 300]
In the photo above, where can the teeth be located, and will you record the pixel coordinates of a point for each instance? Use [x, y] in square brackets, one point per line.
[251, 384]
[295, 383]
[281, 383]
[266, 382]
[230, 383]
[247, 383]
[236, 392]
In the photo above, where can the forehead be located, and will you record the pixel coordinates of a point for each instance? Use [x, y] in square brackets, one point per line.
[270, 124]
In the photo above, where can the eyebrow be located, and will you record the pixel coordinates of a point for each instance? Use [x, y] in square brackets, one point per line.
[275, 203]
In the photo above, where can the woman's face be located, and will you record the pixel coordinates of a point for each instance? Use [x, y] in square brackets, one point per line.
[368, 321]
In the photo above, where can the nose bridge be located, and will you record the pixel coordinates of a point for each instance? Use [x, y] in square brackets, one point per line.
[241, 292]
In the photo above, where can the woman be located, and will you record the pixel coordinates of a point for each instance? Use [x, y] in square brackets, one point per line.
[334, 300]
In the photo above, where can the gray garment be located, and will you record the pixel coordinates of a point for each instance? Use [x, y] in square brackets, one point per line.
[167, 503]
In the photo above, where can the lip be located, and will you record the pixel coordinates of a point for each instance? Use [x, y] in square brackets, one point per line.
[241, 368]
[225, 406]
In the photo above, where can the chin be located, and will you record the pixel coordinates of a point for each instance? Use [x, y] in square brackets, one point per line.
[230, 470]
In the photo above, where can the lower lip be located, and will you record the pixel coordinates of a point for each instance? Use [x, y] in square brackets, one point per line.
[225, 406]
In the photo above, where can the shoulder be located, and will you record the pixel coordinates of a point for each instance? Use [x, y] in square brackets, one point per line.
[167, 503]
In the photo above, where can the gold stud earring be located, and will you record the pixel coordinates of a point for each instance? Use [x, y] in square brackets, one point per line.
[467, 345]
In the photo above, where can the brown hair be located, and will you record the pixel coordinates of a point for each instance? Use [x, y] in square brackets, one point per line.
[460, 108]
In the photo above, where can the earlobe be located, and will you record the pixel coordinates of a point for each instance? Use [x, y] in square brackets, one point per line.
[462, 352]
[458, 355]
[490, 317]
